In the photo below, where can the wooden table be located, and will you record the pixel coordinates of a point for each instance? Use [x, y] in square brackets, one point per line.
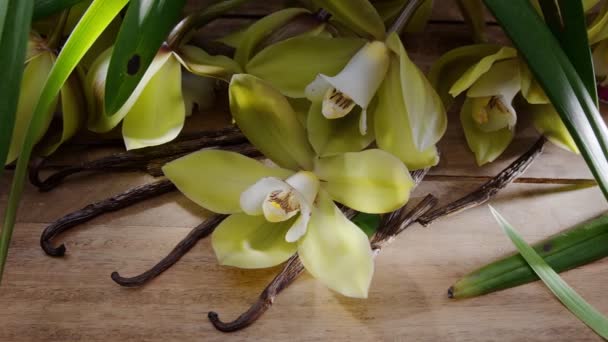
[73, 298]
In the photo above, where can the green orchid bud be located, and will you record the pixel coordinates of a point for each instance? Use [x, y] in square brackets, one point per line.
[147, 118]
[68, 116]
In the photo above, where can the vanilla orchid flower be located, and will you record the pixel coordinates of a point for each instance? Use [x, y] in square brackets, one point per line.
[408, 117]
[278, 210]
[355, 85]
[487, 116]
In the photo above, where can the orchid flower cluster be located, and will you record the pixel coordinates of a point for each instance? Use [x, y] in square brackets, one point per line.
[338, 108]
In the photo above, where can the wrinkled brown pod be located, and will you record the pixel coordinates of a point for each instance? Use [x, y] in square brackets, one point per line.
[120, 201]
[184, 246]
[489, 189]
[139, 159]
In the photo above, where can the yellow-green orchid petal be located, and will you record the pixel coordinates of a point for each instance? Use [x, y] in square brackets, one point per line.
[452, 65]
[260, 30]
[251, 242]
[598, 30]
[234, 39]
[304, 57]
[200, 63]
[530, 89]
[476, 71]
[94, 88]
[215, 179]
[159, 113]
[371, 181]
[393, 131]
[72, 116]
[267, 119]
[336, 251]
[548, 122]
[34, 77]
[358, 15]
[329, 137]
[486, 146]
[426, 114]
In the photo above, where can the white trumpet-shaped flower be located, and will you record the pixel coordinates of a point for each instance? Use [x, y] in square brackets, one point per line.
[280, 200]
[355, 85]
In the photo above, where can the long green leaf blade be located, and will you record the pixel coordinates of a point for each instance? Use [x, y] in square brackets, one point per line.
[16, 17]
[575, 247]
[46, 8]
[145, 27]
[558, 77]
[95, 20]
[572, 300]
[566, 20]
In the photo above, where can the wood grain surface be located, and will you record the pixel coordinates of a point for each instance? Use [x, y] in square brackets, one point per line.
[73, 298]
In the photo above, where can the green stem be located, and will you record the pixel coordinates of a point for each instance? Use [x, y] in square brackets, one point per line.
[406, 14]
[184, 28]
[57, 33]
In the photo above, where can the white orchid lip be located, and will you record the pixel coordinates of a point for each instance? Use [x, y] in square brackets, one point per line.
[280, 201]
[356, 84]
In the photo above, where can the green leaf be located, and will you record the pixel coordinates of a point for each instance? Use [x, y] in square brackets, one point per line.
[46, 8]
[368, 223]
[215, 179]
[558, 77]
[269, 122]
[568, 24]
[371, 181]
[335, 251]
[15, 18]
[145, 27]
[95, 20]
[572, 300]
[572, 248]
[252, 242]
[358, 15]
[305, 57]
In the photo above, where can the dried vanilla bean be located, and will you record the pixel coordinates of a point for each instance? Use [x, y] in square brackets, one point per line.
[488, 190]
[126, 199]
[519, 180]
[184, 246]
[138, 159]
[294, 267]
